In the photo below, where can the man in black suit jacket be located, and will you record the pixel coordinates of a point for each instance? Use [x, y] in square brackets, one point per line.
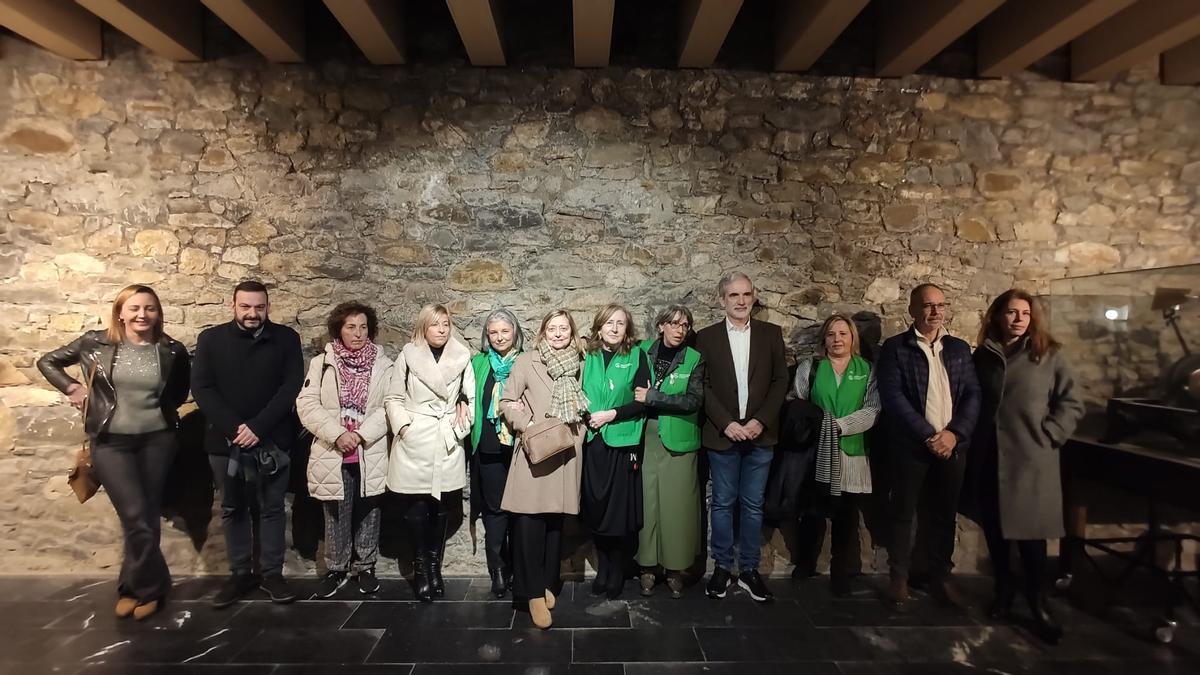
[744, 388]
[245, 378]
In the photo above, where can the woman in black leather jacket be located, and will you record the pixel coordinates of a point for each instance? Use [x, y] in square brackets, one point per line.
[134, 379]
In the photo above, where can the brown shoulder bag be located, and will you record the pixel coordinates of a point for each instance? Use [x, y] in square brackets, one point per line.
[82, 478]
[546, 438]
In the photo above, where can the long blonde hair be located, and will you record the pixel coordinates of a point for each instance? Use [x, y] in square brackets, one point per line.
[425, 318]
[116, 329]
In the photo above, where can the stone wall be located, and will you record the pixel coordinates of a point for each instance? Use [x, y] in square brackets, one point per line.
[533, 188]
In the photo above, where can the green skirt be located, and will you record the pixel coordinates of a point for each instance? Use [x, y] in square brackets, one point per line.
[671, 505]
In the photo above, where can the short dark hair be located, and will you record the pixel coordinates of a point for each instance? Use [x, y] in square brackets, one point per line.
[346, 310]
[921, 288]
[250, 286]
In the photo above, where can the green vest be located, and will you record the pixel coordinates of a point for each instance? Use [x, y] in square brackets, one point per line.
[844, 398]
[679, 433]
[612, 387]
[482, 365]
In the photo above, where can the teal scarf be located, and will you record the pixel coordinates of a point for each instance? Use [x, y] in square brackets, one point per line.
[501, 365]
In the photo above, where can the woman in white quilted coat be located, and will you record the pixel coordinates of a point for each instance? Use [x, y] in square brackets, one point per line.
[342, 405]
[429, 406]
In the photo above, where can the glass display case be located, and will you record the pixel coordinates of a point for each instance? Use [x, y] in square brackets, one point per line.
[1133, 339]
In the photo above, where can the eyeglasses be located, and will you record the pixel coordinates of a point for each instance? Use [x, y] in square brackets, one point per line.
[939, 306]
[680, 324]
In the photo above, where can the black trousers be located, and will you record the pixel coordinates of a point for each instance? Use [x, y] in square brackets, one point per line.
[916, 472]
[243, 503]
[489, 472]
[844, 545]
[537, 547]
[133, 469]
[1034, 558]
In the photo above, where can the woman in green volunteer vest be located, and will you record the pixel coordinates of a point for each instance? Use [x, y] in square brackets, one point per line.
[670, 534]
[843, 385]
[492, 441]
[611, 493]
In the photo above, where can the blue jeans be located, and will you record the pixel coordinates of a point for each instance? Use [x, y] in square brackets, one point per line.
[739, 476]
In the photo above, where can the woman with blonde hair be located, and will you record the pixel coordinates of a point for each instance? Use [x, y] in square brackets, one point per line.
[611, 497]
[842, 384]
[429, 405]
[136, 377]
[543, 385]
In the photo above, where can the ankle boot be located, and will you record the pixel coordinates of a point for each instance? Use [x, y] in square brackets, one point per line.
[898, 596]
[1044, 625]
[499, 582]
[600, 583]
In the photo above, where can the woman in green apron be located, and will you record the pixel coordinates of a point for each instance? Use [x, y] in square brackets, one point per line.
[671, 500]
[611, 494]
[842, 384]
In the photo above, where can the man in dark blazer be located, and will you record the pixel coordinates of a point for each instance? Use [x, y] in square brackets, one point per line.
[930, 398]
[246, 376]
[744, 388]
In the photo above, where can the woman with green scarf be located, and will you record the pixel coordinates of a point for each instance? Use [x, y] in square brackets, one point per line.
[492, 440]
[843, 385]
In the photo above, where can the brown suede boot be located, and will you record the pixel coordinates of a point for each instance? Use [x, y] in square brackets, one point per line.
[946, 592]
[539, 613]
[550, 600]
[125, 606]
[898, 596]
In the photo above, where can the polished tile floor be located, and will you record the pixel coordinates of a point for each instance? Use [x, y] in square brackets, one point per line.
[60, 625]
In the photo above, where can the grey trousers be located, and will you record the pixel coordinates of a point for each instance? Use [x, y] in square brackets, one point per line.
[352, 526]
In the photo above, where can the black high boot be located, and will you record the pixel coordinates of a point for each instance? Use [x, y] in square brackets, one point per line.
[616, 573]
[437, 549]
[418, 530]
[603, 567]
[1001, 607]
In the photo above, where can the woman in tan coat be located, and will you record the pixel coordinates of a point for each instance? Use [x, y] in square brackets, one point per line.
[544, 383]
[429, 407]
[341, 404]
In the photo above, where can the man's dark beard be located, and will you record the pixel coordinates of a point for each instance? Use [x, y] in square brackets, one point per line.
[243, 326]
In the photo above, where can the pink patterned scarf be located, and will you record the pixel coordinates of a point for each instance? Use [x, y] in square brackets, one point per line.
[354, 381]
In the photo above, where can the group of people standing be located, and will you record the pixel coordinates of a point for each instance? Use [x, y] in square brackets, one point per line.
[647, 422]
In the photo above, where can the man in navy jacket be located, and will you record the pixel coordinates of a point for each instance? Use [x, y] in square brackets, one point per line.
[930, 398]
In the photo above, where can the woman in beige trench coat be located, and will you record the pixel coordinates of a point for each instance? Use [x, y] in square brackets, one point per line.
[544, 382]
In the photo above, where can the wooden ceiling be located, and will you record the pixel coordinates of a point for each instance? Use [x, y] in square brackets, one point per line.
[1104, 37]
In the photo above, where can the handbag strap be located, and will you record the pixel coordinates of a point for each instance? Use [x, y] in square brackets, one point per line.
[88, 394]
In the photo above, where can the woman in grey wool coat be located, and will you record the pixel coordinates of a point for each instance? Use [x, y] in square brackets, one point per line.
[1029, 410]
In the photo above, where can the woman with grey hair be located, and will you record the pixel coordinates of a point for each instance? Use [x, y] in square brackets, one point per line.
[670, 534]
[492, 440]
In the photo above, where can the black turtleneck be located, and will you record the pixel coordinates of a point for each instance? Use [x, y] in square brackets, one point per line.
[437, 352]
